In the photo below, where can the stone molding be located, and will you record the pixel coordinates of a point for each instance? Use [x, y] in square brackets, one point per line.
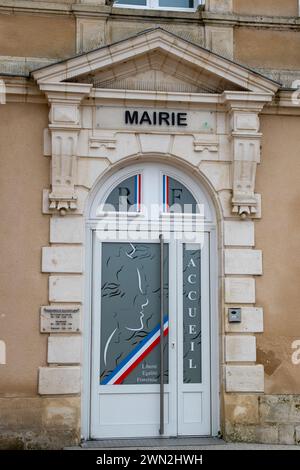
[166, 43]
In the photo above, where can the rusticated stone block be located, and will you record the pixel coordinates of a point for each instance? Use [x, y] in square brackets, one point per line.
[241, 409]
[65, 288]
[240, 290]
[239, 233]
[244, 378]
[29, 423]
[240, 348]
[238, 261]
[252, 321]
[59, 380]
[66, 229]
[240, 432]
[267, 434]
[297, 434]
[284, 409]
[64, 349]
[263, 434]
[286, 434]
[62, 259]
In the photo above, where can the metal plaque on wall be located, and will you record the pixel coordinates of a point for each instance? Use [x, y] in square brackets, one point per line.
[60, 319]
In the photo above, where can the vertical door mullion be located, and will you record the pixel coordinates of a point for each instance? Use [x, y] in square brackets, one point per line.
[178, 329]
[162, 314]
[172, 340]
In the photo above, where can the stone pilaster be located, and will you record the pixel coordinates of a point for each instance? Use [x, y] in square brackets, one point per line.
[244, 129]
[64, 126]
[218, 6]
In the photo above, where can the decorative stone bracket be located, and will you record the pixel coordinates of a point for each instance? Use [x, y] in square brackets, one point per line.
[64, 118]
[200, 145]
[107, 141]
[246, 151]
[246, 142]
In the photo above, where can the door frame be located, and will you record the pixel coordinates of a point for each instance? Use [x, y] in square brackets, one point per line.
[91, 225]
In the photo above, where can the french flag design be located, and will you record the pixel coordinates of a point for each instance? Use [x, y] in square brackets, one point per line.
[138, 191]
[119, 374]
[166, 193]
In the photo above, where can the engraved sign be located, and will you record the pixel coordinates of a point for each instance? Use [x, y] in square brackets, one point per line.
[162, 120]
[60, 319]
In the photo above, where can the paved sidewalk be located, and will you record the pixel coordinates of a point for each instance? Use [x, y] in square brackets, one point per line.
[226, 446]
[177, 444]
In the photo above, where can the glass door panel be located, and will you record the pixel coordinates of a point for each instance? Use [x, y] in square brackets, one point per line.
[130, 314]
[192, 313]
[194, 413]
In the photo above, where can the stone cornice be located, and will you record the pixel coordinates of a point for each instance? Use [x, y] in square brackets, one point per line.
[28, 6]
[199, 16]
[257, 21]
[20, 89]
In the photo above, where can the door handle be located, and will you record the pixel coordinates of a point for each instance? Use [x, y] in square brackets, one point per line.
[173, 345]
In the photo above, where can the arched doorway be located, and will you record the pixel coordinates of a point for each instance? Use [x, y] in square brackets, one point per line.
[153, 366]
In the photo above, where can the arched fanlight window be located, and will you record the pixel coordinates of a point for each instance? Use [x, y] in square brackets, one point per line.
[126, 196]
[177, 198]
[151, 191]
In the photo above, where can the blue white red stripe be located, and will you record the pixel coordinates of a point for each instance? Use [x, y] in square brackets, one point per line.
[138, 191]
[119, 374]
[166, 193]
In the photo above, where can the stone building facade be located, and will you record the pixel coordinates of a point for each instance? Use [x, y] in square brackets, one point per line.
[223, 77]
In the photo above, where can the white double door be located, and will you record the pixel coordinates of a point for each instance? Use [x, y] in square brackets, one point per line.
[126, 365]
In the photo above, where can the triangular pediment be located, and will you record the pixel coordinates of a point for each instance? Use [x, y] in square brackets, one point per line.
[157, 71]
[156, 60]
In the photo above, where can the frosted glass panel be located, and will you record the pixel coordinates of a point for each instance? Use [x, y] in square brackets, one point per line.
[130, 313]
[191, 313]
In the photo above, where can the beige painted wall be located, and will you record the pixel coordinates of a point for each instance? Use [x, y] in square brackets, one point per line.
[266, 7]
[278, 235]
[37, 36]
[267, 48]
[63, 1]
[24, 172]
